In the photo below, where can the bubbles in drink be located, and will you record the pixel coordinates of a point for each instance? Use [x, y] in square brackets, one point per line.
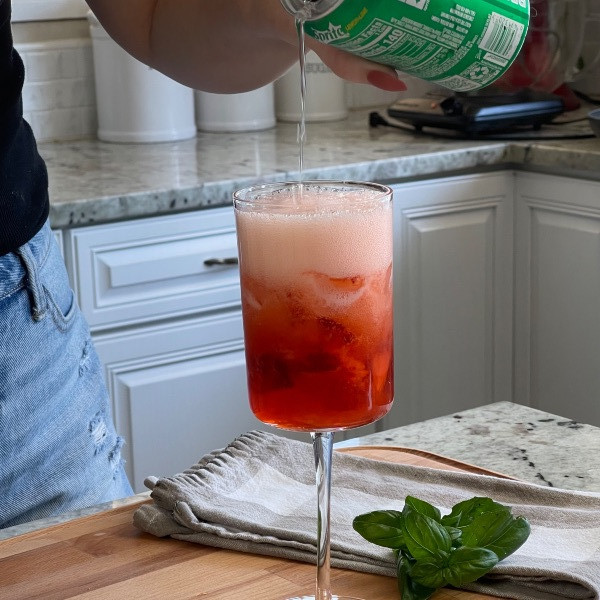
[340, 233]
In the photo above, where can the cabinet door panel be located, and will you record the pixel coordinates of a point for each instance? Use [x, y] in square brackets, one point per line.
[179, 412]
[178, 391]
[453, 295]
[557, 318]
[451, 298]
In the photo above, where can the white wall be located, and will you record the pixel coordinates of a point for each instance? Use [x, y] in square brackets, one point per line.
[37, 10]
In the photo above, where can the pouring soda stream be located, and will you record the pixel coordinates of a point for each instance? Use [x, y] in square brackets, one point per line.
[302, 124]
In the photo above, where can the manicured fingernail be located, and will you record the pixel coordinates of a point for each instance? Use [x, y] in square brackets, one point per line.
[385, 81]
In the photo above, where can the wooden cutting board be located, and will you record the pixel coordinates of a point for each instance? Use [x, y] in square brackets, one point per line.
[104, 557]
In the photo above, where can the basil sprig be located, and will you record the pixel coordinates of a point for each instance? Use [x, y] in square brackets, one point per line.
[433, 551]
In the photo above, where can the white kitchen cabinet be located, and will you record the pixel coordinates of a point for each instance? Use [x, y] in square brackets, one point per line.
[453, 295]
[178, 389]
[557, 295]
[497, 289]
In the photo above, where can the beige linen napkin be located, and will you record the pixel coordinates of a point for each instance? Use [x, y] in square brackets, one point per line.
[258, 495]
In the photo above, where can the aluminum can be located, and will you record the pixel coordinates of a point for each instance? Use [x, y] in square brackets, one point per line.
[462, 45]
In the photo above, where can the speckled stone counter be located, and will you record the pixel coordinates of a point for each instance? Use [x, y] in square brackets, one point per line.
[93, 182]
[508, 438]
[526, 443]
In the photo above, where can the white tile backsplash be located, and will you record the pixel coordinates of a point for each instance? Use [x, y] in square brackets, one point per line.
[59, 100]
[57, 61]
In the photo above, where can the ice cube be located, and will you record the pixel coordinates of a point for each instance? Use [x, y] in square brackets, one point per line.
[337, 292]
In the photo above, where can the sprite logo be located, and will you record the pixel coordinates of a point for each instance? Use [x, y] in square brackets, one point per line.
[332, 34]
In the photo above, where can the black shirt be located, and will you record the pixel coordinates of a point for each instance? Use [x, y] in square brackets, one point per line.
[23, 179]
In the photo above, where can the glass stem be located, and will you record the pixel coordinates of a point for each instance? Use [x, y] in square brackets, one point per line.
[323, 448]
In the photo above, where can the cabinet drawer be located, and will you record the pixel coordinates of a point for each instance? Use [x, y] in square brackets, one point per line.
[139, 271]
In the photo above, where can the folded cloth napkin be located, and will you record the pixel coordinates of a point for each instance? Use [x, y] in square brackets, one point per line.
[258, 495]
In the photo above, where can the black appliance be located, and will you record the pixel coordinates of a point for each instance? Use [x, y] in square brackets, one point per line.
[479, 114]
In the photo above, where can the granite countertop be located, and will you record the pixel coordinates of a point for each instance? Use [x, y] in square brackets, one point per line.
[513, 439]
[516, 440]
[93, 182]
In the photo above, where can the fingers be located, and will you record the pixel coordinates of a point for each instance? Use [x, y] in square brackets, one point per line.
[386, 81]
[356, 69]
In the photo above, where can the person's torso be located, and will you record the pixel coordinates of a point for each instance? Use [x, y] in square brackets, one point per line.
[11, 76]
[23, 180]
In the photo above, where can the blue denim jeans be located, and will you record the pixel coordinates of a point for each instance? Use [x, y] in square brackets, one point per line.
[58, 447]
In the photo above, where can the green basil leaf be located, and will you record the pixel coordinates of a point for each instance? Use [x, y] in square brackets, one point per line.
[484, 527]
[381, 527]
[512, 538]
[468, 564]
[465, 512]
[433, 551]
[455, 535]
[499, 533]
[423, 508]
[428, 574]
[424, 537]
[409, 588]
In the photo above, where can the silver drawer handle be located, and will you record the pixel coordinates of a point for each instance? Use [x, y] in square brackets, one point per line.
[212, 262]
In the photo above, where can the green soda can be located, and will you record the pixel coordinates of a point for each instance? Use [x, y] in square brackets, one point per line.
[463, 45]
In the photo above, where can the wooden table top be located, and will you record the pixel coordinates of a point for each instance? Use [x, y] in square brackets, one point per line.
[104, 557]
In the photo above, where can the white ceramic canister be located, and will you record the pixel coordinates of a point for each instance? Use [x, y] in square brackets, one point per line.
[136, 103]
[247, 111]
[325, 93]
[588, 80]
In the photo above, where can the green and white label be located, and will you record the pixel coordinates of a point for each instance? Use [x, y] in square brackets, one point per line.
[463, 45]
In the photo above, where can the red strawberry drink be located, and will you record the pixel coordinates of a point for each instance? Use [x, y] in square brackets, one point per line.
[316, 273]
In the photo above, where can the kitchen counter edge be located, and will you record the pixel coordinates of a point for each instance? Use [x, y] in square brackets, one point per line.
[94, 182]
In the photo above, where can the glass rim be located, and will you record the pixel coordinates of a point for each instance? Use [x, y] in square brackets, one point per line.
[249, 197]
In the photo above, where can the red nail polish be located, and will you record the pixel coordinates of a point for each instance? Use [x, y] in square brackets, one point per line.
[385, 81]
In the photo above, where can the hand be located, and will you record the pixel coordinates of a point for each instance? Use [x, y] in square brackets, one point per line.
[224, 46]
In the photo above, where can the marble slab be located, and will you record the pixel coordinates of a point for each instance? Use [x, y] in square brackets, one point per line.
[93, 182]
[516, 440]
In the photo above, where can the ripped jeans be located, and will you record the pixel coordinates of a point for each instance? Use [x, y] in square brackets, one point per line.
[58, 447]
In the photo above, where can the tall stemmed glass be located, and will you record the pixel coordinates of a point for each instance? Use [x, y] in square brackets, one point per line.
[316, 274]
